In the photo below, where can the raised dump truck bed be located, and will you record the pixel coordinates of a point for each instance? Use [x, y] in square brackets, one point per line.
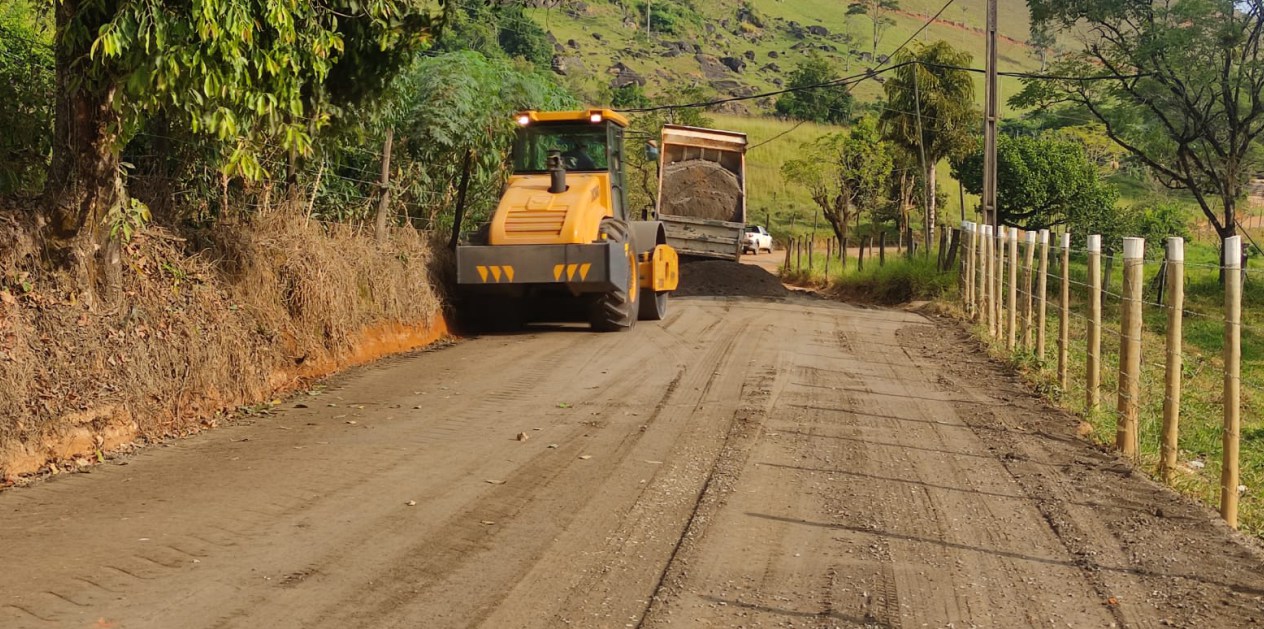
[702, 190]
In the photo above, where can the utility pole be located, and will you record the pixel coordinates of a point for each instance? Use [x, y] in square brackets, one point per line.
[990, 116]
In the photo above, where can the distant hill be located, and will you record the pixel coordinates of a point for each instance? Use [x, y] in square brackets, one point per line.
[744, 47]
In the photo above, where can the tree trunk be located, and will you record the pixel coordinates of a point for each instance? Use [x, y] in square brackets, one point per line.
[83, 176]
[929, 229]
[384, 204]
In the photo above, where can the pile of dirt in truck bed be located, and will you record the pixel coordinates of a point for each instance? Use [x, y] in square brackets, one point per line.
[721, 278]
[701, 189]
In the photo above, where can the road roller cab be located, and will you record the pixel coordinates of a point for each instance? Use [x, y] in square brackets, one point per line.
[562, 230]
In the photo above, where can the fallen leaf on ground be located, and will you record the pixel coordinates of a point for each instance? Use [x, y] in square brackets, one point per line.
[411, 503]
[585, 456]
[495, 482]
[486, 522]
[553, 445]
[352, 422]
[300, 406]
[563, 405]
[522, 436]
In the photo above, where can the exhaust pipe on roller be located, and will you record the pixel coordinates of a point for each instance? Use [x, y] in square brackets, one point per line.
[557, 173]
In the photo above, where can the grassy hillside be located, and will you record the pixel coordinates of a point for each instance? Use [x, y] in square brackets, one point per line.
[593, 37]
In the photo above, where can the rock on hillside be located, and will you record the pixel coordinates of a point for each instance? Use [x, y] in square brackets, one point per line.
[726, 41]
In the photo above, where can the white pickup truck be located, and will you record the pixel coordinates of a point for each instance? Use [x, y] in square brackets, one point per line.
[756, 239]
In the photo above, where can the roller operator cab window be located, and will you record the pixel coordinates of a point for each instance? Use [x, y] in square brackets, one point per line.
[583, 147]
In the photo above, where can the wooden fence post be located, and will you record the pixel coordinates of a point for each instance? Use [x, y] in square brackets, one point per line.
[1232, 379]
[1029, 303]
[998, 290]
[811, 256]
[1064, 313]
[978, 262]
[943, 246]
[991, 279]
[985, 279]
[994, 273]
[789, 251]
[1172, 394]
[1042, 289]
[1130, 326]
[1011, 299]
[974, 270]
[967, 280]
[882, 248]
[829, 253]
[1094, 365]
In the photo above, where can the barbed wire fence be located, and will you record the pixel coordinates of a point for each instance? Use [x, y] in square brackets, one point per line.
[1150, 349]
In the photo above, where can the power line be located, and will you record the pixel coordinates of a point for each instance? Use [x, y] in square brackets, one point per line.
[843, 82]
[786, 132]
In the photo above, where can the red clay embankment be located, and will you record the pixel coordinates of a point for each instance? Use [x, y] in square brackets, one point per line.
[202, 323]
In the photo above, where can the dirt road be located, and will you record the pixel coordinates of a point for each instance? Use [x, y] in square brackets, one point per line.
[754, 463]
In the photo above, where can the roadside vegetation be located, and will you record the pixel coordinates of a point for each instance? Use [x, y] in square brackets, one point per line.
[900, 280]
[180, 240]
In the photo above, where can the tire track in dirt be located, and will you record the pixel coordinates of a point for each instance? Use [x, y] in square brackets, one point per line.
[753, 463]
[1174, 567]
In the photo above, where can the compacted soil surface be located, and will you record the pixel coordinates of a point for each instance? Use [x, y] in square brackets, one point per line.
[770, 462]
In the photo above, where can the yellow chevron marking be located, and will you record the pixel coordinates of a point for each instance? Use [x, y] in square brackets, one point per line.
[583, 270]
[482, 272]
[509, 272]
[570, 271]
[557, 272]
[496, 273]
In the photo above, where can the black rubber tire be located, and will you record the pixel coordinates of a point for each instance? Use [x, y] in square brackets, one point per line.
[616, 310]
[653, 306]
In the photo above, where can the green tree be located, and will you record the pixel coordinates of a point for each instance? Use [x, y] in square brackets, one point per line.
[630, 96]
[1042, 182]
[1042, 41]
[26, 96]
[1179, 85]
[877, 11]
[1098, 148]
[243, 72]
[845, 173]
[520, 36]
[930, 111]
[442, 107]
[814, 98]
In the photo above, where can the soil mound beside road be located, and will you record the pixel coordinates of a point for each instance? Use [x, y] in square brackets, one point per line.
[721, 278]
[701, 189]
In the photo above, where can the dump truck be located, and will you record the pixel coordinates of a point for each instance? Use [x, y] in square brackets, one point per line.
[702, 190]
[562, 231]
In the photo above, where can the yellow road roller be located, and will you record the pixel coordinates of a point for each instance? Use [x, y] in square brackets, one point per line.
[562, 231]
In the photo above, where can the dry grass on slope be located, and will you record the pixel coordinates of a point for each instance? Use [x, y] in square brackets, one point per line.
[207, 321]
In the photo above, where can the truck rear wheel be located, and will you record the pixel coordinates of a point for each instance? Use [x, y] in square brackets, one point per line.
[617, 309]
